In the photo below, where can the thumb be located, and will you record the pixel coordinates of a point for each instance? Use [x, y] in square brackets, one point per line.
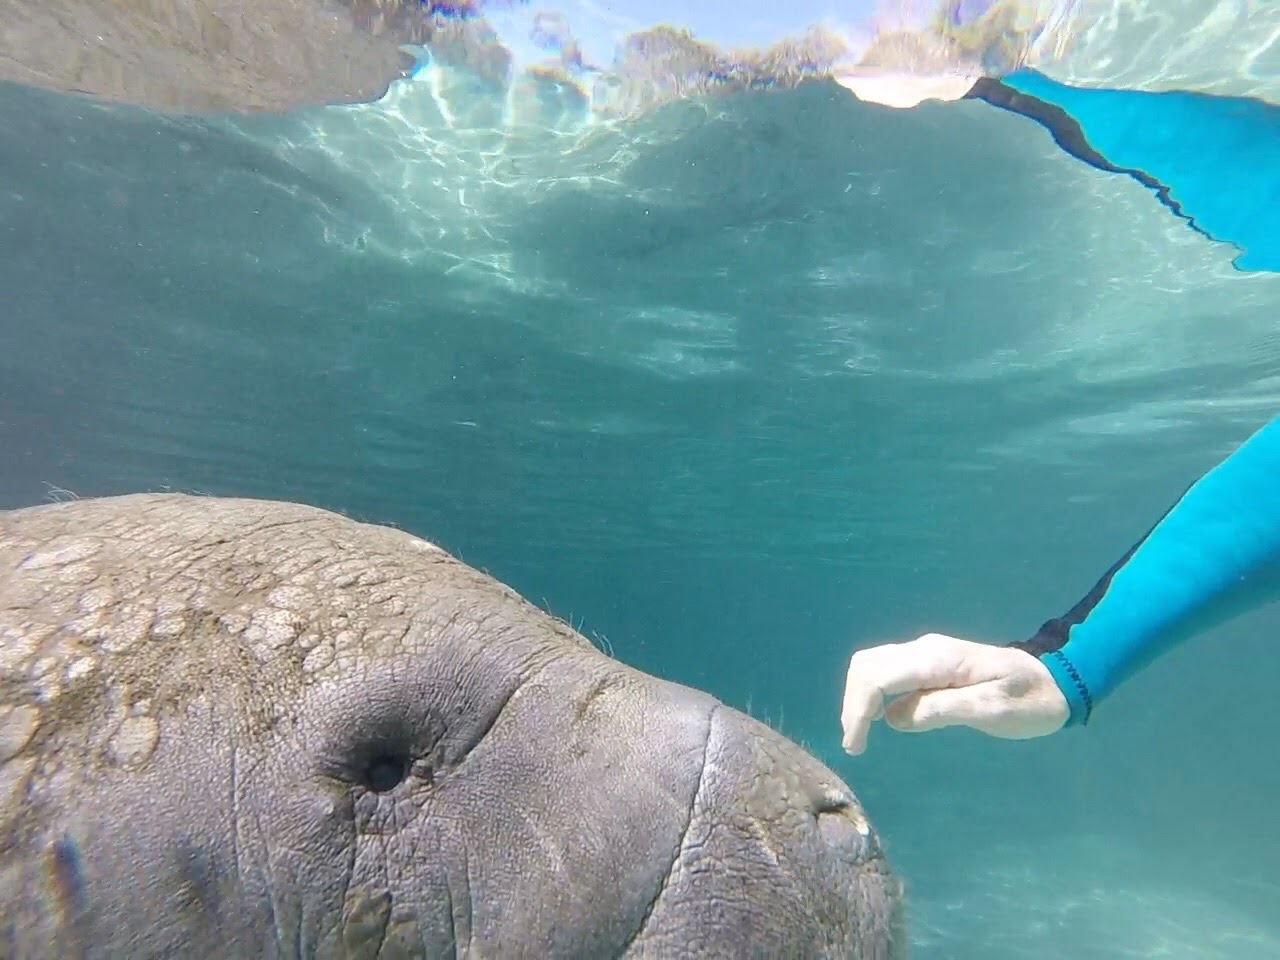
[979, 706]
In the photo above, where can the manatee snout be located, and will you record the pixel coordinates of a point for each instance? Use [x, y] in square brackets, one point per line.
[778, 859]
[257, 729]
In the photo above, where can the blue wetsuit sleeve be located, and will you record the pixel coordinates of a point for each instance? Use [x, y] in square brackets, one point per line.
[1214, 554]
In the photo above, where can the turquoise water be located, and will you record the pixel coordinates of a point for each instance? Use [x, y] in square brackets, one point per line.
[736, 386]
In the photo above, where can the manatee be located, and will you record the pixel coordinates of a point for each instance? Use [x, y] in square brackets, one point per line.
[241, 728]
[241, 56]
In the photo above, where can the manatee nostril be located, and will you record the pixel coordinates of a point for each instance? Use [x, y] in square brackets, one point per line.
[385, 772]
[841, 823]
[830, 802]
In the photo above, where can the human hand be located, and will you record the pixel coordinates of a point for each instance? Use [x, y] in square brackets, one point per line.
[942, 681]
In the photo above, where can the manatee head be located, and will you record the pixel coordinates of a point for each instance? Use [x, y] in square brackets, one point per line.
[240, 728]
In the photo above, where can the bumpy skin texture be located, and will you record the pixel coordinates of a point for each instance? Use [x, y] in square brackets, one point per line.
[251, 729]
[208, 55]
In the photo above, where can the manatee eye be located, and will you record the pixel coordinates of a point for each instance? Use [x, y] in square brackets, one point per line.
[385, 771]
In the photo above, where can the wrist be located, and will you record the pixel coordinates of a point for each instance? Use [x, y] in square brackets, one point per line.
[1065, 676]
[1071, 685]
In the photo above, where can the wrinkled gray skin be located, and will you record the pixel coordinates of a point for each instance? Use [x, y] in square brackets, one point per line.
[235, 728]
[187, 56]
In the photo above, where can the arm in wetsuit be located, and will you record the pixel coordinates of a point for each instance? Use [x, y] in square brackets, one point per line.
[1214, 554]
